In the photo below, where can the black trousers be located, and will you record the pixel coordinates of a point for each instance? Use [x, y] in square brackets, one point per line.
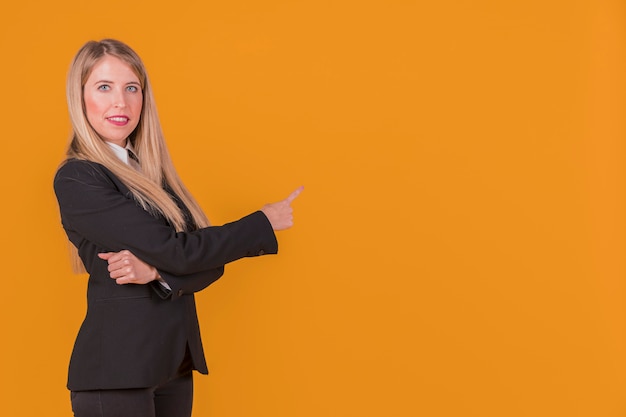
[172, 399]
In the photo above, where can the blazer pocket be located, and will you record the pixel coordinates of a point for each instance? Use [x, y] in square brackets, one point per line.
[123, 298]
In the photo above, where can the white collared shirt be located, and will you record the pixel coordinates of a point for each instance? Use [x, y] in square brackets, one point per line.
[122, 153]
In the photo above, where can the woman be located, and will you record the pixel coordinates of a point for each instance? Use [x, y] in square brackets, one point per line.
[144, 241]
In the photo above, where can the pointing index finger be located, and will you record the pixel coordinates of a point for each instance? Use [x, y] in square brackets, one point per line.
[294, 194]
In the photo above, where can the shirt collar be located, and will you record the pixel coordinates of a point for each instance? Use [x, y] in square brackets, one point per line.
[122, 153]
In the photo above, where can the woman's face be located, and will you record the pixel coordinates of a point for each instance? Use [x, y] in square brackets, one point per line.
[113, 99]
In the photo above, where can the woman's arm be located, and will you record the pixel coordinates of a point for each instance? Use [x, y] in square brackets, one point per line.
[94, 208]
[125, 268]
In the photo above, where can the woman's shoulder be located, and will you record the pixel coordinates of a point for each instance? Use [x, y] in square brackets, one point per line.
[82, 170]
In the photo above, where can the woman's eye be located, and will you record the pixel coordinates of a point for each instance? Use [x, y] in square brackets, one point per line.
[132, 88]
[104, 87]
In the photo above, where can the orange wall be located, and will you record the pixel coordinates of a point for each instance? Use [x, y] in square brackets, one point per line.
[459, 247]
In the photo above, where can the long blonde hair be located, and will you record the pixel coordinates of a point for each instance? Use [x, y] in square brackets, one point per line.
[147, 139]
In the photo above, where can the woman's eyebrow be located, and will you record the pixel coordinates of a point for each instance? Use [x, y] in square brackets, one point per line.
[113, 82]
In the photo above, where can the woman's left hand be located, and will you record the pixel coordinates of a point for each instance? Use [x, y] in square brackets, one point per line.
[126, 268]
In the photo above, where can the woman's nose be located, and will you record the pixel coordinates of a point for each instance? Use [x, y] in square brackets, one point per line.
[119, 100]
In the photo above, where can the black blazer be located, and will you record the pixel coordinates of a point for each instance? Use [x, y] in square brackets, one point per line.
[135, 336]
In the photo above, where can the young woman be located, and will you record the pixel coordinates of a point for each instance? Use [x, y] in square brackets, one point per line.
[144, 241]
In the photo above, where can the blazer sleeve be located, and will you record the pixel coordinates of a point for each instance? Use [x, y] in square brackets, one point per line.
[93, 207]
[185, 284]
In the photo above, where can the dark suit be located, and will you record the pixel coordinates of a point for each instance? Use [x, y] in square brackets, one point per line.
[136, 335]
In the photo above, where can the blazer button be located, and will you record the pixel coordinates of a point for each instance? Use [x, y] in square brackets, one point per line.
[261, 252]
[180, 292]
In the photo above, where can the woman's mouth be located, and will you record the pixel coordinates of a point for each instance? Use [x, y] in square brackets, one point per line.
[118, 120]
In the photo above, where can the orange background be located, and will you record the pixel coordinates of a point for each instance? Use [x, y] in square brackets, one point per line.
[459, 247]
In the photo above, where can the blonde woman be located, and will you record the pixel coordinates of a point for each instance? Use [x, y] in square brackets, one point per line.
[144, 241]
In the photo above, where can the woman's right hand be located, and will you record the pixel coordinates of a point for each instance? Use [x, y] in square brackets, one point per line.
[280, 214]
[126, 268]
